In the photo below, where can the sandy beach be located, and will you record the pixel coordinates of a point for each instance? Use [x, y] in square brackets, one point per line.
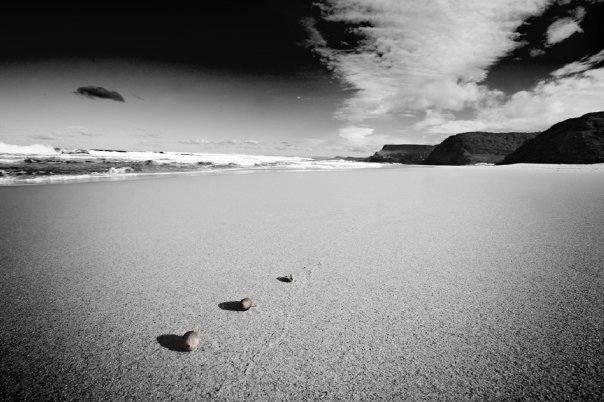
[413, 283]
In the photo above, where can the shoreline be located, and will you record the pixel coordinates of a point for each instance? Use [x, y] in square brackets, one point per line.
[11, 181]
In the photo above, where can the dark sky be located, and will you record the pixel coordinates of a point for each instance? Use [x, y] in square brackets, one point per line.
[294, 77]
[261, 36]
[528, 70]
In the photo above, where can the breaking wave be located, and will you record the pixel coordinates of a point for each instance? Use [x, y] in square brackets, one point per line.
[35, 149]
[37, 164]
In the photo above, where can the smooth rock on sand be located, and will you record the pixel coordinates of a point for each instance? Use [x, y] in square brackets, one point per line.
[190, 340]
[246, 304]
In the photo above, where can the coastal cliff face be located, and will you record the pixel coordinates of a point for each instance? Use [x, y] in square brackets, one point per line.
[404, 153]
[578, 140]
[476, 147]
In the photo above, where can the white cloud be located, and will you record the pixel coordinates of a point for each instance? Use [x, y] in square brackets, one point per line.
[536, 52]
[430, 58]
[356, 135]
[364, 139]
[580, 13]
[584, 64]
[549, 102]
[562, 29]
[419, 55]
[433, 118]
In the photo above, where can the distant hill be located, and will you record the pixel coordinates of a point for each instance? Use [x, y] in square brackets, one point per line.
[403, 153]
[476, 147]
[578, 140]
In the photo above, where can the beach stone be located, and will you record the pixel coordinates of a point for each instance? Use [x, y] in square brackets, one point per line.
[246, 304]
[190, 340]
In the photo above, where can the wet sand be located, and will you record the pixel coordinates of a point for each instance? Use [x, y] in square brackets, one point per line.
[412, 283]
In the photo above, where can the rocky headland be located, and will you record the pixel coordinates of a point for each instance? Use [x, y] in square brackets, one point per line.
[579, 141]
[574, 141]
[404, 153]
[476, 147]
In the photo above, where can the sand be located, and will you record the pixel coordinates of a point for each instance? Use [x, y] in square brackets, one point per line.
[433, 283]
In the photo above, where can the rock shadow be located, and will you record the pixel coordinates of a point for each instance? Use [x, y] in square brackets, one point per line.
[231, 306]
[284, 279]
[172, 342]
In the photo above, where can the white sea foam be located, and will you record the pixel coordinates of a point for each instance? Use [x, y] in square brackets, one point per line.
[149, 164]
[240, 160]
[120, 170]
[13, 153]
[35, 149]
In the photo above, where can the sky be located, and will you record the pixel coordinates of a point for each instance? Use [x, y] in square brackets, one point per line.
[307, 78]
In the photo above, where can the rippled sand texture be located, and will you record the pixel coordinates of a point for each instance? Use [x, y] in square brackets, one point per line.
[412, 283]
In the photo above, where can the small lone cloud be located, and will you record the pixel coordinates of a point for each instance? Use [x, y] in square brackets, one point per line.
[197, 141]
[563, 28]
[535, 52]
[93, 92]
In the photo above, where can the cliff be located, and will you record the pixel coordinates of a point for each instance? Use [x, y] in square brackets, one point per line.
[476, 147]
[403, 153]
[578, 140]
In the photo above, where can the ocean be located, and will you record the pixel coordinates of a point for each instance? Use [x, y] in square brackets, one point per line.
[42, 164]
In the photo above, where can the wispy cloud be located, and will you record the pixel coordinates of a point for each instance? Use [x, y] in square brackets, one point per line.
[53, 136]
[197, 141]
[549, 102]
[354, 134]
[80, 130]
[572, 90]
[418, 55]
[146, 135]
[364, 138]
[586, 63]
[45, 137]
[423, 63]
